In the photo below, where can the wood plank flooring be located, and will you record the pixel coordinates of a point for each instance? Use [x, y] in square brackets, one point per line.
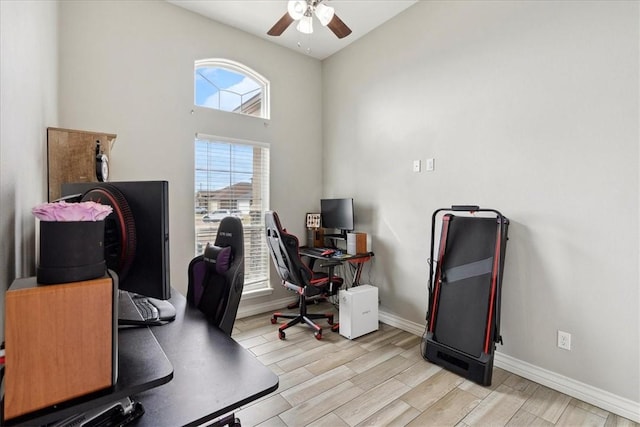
[381, 379]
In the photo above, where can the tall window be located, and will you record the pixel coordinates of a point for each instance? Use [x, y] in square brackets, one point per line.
[231, 175]
[232, 178]
[227, 85]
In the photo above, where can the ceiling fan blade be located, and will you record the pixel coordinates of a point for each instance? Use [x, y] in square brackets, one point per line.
[282, 24]
[338, 27]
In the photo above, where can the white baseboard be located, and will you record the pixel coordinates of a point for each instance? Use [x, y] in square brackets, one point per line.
[602, 399]
[400, 323]
[253, 309]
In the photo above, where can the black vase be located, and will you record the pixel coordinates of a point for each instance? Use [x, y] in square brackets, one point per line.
[70, 251]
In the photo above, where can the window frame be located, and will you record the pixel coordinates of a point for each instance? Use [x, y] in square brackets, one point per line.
[236, 67]
[262, 285]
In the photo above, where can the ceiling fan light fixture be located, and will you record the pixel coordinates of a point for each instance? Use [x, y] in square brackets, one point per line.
[302, 11]
[305, 25]
[324, 14]
[297, 8]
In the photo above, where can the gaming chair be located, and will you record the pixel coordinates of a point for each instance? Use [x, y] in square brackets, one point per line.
[216, 278]
[298, 277]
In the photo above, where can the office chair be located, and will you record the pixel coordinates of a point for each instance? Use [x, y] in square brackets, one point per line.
[298, 277]
[216, 278]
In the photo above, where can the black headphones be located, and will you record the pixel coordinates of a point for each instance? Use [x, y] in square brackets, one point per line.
[102, 164]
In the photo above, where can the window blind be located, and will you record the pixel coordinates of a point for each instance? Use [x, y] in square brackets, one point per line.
[232, 178]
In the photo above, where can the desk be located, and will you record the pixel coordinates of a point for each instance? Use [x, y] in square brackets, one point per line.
[141, 365]
[212, 374]
[358, 260]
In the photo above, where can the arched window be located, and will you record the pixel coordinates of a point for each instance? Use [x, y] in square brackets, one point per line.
[231, 176]
[227, 85]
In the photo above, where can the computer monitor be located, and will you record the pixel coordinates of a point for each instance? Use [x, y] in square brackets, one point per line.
[136, 232]
[337, 214]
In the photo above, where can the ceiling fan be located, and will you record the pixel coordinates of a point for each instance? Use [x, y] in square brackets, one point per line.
[303, 11]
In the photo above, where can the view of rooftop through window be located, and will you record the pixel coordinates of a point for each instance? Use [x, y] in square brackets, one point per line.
[224, 89]
[222, 164]
[231, 176]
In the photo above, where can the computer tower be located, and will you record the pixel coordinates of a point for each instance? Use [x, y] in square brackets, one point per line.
[358, 311]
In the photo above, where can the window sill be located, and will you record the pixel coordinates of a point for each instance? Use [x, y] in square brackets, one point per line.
[257, 293]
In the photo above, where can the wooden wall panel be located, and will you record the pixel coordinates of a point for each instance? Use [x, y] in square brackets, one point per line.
[71, 156]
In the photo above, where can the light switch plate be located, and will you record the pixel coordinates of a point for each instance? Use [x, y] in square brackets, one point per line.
[431, 164]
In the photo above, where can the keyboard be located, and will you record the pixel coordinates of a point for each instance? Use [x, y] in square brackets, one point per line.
[316, 251]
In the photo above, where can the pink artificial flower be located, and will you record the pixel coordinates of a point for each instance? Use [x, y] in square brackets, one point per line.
[63, 211]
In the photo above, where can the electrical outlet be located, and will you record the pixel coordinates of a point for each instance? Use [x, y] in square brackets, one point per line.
[417, 165]
[564, 340]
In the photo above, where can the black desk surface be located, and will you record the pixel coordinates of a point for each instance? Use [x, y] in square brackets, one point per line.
[313, 253]
[213, 374]
[141, 365]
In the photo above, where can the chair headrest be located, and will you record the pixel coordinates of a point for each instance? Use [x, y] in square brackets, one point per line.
[272, 221]
[230, 233]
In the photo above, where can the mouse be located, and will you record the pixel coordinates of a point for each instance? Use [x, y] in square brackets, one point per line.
[328, 252]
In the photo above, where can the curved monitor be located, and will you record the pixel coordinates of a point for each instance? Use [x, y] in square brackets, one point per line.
[337, 214]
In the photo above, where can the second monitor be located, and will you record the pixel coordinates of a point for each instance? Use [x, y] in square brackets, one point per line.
[337, 214]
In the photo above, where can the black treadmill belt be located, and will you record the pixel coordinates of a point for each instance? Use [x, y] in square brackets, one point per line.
[462, 314]
[465, 293]
[469, 240]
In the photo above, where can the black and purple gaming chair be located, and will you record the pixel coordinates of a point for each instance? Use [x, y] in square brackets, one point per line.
[216, 278]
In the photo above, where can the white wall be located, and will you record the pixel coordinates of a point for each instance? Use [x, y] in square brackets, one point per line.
[530, 108]
[128, 67]
[28, 105]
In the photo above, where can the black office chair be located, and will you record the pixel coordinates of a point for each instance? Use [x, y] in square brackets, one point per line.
[216, 278]
[298, 277]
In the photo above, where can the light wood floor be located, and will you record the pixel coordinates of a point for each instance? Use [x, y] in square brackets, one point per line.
[381, 379]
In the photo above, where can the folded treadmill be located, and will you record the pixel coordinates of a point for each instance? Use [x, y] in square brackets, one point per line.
[465, 281]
